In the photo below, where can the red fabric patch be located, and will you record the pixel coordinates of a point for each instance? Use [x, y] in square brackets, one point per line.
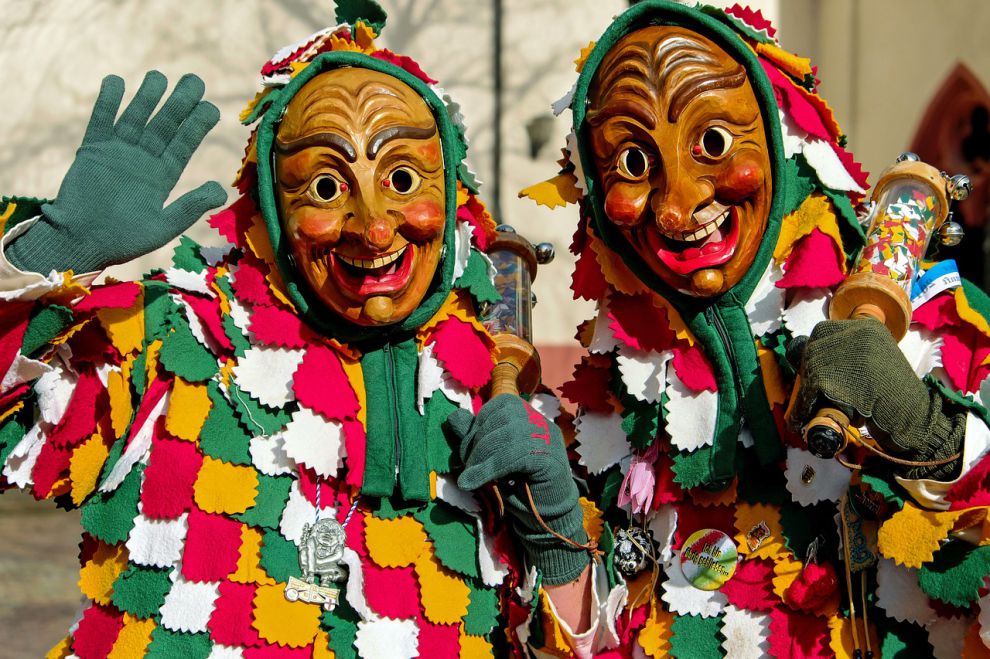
[589, 387]
[474, 213]
[973, 489]
[815, 262]
[691, 518]
[321, 384]
[693, 369]
[626, 625]
[405, 63]
[274, 326]
[230, 623]
[753, 18]
[97, 632]
[213, 544]
[114, 296]
[667, 491]
[90, 345]
[169, 477]
[814, 588]
[798, 636]
[249, 282]
[751, 587]
[52, 464]
[391, 592]
[355, 444]
[963, 351]
[463, 353]
[308, 483]
[938, 313]
[82, 413]
[14, 318]
[639, 324]
[860, 175]
[208, 312]
[438, 640]
[804, 114]
[587, 280]
[354, 531]
[234, 221]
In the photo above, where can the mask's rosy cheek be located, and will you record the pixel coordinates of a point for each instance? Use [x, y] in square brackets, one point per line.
[430, 153]
[624, 205]
[742, 176]
[316, 224]
[423, 220]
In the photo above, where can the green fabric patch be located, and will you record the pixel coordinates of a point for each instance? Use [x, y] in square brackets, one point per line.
[222, 436]
[902, 640]
[475, 279]
[610, 489]
[48, 323]
[138, 375]
[695, 637]
[440, 453]
[454, 535]
[341, 627]
[279, 557]
[273, 492]
[160, 310]
[255, 416]
[482, 615]
[12, 432]
[798, 183]
[183, 355]
[956, 574]
[233, 332]
[802, 524]
[851, 231]
[169, 645]
[394, 507]
[691, 469]
[368, 11]
[891, 493]
[468, 178]
[141, 591]
[187, 256]
[110, 517]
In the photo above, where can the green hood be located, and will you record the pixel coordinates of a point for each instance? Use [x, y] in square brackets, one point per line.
[302, 296]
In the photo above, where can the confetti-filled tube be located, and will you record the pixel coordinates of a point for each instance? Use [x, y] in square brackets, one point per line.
[514, 312]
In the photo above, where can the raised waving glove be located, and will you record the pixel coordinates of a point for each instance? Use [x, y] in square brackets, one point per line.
[111, 204]
[511, 444]
[855, 365]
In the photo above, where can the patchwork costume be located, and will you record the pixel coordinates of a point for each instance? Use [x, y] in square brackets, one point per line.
[211, 419]
[682, 395]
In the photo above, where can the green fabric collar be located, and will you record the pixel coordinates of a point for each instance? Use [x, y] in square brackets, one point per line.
[315, 314]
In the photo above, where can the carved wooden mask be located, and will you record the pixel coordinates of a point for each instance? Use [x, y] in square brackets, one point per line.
[361, 187]
[682, 157]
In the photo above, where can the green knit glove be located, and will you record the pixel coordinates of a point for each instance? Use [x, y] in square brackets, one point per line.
[109, 208]
[510, 444]
[855, 365]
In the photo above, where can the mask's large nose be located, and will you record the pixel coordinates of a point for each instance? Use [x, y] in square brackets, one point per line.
[680, 195]
[371, 224]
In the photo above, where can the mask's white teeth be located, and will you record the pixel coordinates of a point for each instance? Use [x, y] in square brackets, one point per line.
[707, 228]
[375, 263]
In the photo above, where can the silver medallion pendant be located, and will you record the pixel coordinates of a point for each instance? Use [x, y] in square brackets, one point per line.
[321, 551]
[634, 549]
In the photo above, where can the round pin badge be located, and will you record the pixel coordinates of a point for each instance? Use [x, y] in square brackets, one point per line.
[708, 559]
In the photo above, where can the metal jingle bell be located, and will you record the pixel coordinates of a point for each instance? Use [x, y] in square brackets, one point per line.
[634, 550]
[959, 187]
[951, 234]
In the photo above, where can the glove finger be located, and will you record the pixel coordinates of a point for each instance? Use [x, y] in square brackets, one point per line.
[161, 129]
[100, 125]
[191, 133]
[135, 116]
[184, 211]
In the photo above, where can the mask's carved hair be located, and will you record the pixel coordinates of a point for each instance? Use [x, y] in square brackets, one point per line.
[663, 60]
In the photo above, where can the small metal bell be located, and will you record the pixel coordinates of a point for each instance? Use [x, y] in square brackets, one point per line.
[505, 228]
[959, 187]
[908, 156]
[545, 253]
[633, 550]
[950, 234]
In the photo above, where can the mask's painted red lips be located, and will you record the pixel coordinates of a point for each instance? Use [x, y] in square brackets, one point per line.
[685, 257]
[377, 275]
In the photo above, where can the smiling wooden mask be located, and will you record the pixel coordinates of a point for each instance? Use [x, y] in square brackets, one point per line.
[360, 177]
[682, 157]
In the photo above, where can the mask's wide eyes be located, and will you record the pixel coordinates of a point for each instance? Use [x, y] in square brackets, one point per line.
[715, 142]
[633, 163]
[403, 180]
[325, 188]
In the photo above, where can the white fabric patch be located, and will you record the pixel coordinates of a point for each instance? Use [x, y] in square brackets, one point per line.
[662, 524]
[266, 374]
[747, 633]
[603, 339]
[196, 325]
[643, 373]
[20, 463]
[54, 391]
[493, 570]
[299, 512]
[831, 172]
[315, 442]
[546, 404]
[691, 415]
[431, 377]
[18, 284]
[808, 308]
[601, 441]
[193, 282]
[240, 316]
[899, 594]
[214, 255]
[828, 480]
[746, 439]
[448, 491]
[763, 309]
[575, 158]
[685, 599]
[386, 638]
[354, 586]
[462, 248]
[157, 542]
[923, 351]
[23, 369]
[137, 449]
[188, 606]
[946, 636]
[564, 101]
[225, 652]
[269, 456]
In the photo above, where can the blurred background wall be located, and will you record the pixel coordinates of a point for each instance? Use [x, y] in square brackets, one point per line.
[898, 73]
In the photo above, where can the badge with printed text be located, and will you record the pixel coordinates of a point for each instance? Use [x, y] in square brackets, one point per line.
[708, 559]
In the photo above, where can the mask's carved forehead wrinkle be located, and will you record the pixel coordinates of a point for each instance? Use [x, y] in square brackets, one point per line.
[663, 66]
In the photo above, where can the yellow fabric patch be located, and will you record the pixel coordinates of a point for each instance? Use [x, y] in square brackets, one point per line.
[8, 212]
[225, 488]
[841, 639]
[967, 313]
[786, 570]
[460, 305]
[96, 577]
[151, 362]
[749, 517]
[321, 647]
[555, 641]
[814, 213]
[364, 36]
[121, 403]
[260, 245]
[67, 292]
[16, 407]
[725, 497]
[583, 56]
[125, 327]
[475, 647]
[62, 650]
[133, 639]
[796, 66]
[444, 597]
[84, 467]
[188, 407]
[352, 369]
[773, 378]
[553, 193]
[394, 542]
[282, 622]
[655, 635]
[592, 520]
[912, 535]
[249, 568]
[614, 268]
